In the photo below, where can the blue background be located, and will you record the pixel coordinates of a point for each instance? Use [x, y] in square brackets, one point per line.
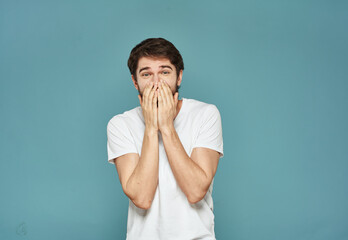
[277, 71]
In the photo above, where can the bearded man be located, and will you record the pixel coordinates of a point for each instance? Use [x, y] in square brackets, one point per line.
[166, 151]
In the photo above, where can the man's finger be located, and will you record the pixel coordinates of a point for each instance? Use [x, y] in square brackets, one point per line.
[146, 89]
[147, 92]
[151, 95]
[176, 95]
[167, 88]
[155, 99]
[163, 94]
[167, 92]
[160, 98]
[140, 101]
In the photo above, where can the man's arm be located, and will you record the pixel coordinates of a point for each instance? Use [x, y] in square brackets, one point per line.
[139, 175]
[194, 175]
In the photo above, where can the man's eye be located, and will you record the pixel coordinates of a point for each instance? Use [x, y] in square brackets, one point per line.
[165, 72]
[146, 74]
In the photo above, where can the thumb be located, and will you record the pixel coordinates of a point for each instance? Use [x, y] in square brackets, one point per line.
[139, 98]
[176, 95]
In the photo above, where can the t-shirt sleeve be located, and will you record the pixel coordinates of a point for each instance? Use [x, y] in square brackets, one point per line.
[119, 139]
[210, 132]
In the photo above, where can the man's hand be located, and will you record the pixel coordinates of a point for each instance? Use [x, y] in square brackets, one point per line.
[149, 106]
[167, 104]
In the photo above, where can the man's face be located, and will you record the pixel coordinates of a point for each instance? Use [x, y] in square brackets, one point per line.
[153, 70]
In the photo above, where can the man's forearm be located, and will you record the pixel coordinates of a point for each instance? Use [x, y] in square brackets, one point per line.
[143, 182]
[191, 178]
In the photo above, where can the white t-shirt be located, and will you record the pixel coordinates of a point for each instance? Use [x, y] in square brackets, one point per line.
[171, 216]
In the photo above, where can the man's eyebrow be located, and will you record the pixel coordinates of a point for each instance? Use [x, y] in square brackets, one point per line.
[145, 68]
[166, 66]
[162, 66]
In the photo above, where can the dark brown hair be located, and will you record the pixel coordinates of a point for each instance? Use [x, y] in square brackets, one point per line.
[158, 48]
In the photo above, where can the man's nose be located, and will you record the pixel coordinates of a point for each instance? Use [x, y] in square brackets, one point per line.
[156, 78]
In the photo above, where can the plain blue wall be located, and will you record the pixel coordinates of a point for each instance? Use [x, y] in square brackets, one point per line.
[277, 71]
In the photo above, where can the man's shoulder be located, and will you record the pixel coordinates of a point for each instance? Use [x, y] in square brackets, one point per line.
[128, 116]
[195, 106]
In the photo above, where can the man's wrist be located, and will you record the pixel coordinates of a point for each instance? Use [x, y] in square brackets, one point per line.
[167, 130]
[151, 131]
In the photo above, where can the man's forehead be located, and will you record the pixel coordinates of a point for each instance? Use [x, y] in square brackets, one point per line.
[147, 61]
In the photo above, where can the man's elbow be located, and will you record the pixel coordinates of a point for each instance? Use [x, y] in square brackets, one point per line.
[196, 197]
[143, 205]
[141, 201]
[199, 193]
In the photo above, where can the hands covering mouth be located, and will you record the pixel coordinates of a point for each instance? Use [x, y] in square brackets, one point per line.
[159, 106]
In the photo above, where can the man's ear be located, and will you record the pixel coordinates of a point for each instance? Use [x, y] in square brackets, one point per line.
[135, 83]
[180, 78]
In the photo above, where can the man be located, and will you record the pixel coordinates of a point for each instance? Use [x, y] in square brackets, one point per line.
[166, 150]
